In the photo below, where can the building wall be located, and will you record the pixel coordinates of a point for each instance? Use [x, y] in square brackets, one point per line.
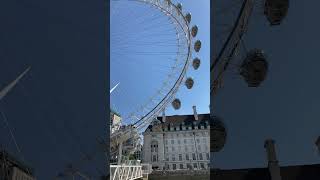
[179, 148]
[115, 121]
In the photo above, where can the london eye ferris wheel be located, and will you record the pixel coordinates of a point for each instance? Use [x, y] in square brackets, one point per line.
[230, 25]
[153, 46]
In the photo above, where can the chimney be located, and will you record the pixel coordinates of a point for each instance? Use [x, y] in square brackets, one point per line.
[183, 126]
[318, 144]
[195, 113]
[273, 165]
[163, 116]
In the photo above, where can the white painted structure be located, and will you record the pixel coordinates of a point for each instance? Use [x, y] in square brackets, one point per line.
[129, 170]
[181, 142]
[115, 121]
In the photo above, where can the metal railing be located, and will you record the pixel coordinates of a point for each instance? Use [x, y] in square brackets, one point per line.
[125, 172]
[129, 171]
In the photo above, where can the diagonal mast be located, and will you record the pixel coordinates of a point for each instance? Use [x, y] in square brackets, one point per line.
[9, 87]
[114, 88]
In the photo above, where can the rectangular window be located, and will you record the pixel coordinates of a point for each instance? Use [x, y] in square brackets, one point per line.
[189, 166]
[199, 147]
[208, 156]
[180, 157]
[172, 141]
[195, 165]
[167, 158]
[193, 156]
[178, 141]
[181, 166]
[172, 148]
[154, 159]
[173, 157]
[174, 166]
[200, 156]
[202, 166]
[187, 156]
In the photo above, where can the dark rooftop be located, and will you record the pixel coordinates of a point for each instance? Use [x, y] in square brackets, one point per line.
[299, 172]
[178, 120]
[15, 162]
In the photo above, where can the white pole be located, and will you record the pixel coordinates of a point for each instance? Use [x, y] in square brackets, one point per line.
[7, 89]
[114, 88]
[120, 154]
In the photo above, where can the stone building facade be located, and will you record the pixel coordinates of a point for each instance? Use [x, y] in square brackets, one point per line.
[178, 142]
[115, 121]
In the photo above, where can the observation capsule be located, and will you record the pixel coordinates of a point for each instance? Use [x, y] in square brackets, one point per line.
[196, 63]
[254, 68]
[189, 83]
[218, 134]
[197, 45]
[179, 6]
[194, 31]
[176, 103]
[188, 18]
[276, 10]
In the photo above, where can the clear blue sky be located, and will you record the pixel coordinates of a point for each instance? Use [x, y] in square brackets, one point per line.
[142, 74]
